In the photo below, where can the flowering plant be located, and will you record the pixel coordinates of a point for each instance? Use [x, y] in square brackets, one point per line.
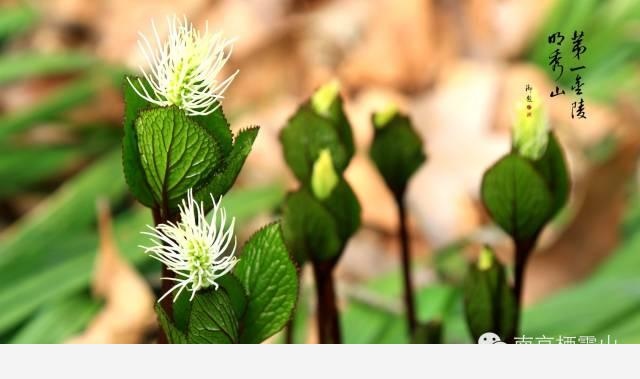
[180, 157]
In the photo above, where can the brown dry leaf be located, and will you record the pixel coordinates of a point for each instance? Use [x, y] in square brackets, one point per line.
[399, 49]
[378, 206]
[499, 29]
[516, 23]
[128, 315]
[455, 122]
[254, 22]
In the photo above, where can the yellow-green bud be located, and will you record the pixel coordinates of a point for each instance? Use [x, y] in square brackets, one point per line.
[485, 259]
[531, 128]
[323, 177]
[323, 98]
[382, 118]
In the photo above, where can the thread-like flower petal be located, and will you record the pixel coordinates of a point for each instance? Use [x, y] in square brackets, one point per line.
[196, 249]
[183, 71]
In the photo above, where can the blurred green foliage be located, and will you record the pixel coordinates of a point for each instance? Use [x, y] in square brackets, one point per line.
[611, 38]
[15, 20]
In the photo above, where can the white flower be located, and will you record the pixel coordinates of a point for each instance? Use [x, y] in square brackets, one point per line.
[184, 70]
[195, 249]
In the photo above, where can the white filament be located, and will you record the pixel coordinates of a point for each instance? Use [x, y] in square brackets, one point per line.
[195, 248]
[183, 71]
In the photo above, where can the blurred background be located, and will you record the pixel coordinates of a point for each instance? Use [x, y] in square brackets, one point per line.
[70, 266]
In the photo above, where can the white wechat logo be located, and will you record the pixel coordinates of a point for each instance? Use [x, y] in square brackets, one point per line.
[489, 339]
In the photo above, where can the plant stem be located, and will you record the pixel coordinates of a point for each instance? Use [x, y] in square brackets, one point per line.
[327, 311]
[288, 332]
[523, 251]
[409, 299]
[165, 285]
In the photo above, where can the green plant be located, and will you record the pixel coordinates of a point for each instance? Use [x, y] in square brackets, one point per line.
[525, 189]
[397, 152]
[321, 216]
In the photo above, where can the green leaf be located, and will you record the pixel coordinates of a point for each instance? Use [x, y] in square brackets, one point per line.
[175, 152]
[217, 126]
[516, 197]
[341, 124]
[174, 335]
[397, 152]
[236, 292]
[553, 169]
[489, 303]
[269, 277]
[310, 231]
[182, 311]
[345, 209]
[132, 165]
[222, 181]
[212, 318]
[304, 137]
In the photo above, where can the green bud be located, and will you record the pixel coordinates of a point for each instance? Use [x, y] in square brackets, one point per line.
[382, 118]
[323, 178]
[531, 128]
[489, 301]
[323, 98]
[485, 259]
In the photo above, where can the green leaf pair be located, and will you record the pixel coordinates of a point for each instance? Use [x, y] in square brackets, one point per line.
[489, 303]
[166, 152]
[252, 304]
[396, 150]
[523, 195]
[319, 229]
[212, 320]
[309, 132]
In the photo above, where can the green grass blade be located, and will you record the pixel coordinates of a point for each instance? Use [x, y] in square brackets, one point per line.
[61, 100]
[59, 321]
[15, 20]
[61, 215]
[32, 64]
